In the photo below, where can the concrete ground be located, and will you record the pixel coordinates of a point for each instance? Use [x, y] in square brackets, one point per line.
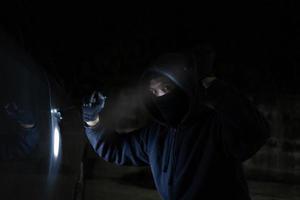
[110, 182]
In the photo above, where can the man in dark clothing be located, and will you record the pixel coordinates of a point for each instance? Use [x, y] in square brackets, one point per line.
[202, 131]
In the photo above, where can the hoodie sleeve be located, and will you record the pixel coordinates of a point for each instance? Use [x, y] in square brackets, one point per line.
[20, 146]
[243, 129]
[121, 149]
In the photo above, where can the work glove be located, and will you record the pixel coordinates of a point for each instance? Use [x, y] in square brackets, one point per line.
[22, 116]
[92, 106]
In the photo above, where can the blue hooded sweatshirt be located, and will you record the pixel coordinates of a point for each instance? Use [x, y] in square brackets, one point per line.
[201, 157]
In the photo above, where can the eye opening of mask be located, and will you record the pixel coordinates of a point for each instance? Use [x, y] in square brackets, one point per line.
[160, 86]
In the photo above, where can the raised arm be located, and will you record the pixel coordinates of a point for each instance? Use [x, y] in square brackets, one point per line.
[121, 149]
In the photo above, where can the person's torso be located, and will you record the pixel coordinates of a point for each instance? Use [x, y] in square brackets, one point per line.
[188, 162]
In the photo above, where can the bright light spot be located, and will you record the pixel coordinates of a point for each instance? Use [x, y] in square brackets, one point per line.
[56, 142]
[54, 110]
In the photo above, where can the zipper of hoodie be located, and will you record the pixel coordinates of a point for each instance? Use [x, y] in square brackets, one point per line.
[173, 164]
[166, 163]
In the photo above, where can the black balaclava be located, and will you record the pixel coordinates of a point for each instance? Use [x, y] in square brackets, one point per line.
[185, 70]
[172, 106]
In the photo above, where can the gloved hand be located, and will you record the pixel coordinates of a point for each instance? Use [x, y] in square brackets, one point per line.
[92, 106]
[24, 117]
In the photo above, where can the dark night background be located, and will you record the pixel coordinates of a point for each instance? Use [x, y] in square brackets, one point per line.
[88, 47]
[256, 44]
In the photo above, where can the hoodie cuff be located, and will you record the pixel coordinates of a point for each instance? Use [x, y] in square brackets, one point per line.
[95, 127]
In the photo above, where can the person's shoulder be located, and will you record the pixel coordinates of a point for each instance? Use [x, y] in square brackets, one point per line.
[149, 132]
